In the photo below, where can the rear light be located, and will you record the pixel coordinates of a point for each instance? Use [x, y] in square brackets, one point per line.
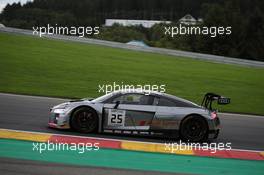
[213, 114]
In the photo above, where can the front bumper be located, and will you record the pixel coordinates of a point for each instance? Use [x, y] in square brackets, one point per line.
[58, 119]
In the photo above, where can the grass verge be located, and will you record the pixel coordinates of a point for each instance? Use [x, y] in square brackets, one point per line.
[38, 66]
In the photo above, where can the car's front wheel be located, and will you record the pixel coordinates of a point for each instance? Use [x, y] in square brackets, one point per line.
[84, 120]
[194, 129]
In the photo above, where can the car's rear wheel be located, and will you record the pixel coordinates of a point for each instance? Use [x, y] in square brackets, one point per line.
[84, 120]
[194, 128]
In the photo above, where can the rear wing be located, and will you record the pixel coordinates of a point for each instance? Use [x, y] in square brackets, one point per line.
[210, 97]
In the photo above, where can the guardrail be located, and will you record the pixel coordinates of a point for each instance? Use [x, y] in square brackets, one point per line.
[193, 55]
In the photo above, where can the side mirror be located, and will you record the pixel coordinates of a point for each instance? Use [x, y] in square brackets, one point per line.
[116, 104]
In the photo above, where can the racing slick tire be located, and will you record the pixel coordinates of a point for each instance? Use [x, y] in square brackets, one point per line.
[85, 120]
[194, 128]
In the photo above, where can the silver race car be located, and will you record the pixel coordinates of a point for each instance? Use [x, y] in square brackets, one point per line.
[141, 112]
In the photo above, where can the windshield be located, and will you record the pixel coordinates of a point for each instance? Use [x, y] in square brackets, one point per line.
[102, 98]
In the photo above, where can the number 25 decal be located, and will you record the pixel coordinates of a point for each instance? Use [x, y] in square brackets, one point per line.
[116, 117]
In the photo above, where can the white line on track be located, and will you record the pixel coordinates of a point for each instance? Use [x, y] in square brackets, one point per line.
[242, 115]
[31, 96]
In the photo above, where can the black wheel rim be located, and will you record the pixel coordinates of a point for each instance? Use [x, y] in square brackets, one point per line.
[86, 120]
[194, 129]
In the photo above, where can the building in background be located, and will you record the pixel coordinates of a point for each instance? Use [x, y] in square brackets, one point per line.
[126, 22]
[187, 20]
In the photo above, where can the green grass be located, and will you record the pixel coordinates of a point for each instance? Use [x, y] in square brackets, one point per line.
[45, 67]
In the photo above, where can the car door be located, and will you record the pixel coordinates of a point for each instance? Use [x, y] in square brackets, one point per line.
[134, 112]
[168, 114]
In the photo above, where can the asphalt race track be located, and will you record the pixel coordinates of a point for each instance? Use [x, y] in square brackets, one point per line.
[17, 166]
[30, 113]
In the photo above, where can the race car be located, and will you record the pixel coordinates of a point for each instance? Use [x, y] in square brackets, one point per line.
[141, 112]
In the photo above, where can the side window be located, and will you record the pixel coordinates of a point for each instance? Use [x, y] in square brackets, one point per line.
[135, 99]
[166, 102]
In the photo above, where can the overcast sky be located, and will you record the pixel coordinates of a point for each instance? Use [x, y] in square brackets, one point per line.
[3, 3]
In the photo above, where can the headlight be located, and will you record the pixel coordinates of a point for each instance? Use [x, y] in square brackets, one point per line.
[59, 111]
[62, 106]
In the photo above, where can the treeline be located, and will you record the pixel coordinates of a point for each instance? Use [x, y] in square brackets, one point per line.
[94, 12]
[246, 18]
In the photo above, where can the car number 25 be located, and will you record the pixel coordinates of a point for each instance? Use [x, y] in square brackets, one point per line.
[116, 117]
